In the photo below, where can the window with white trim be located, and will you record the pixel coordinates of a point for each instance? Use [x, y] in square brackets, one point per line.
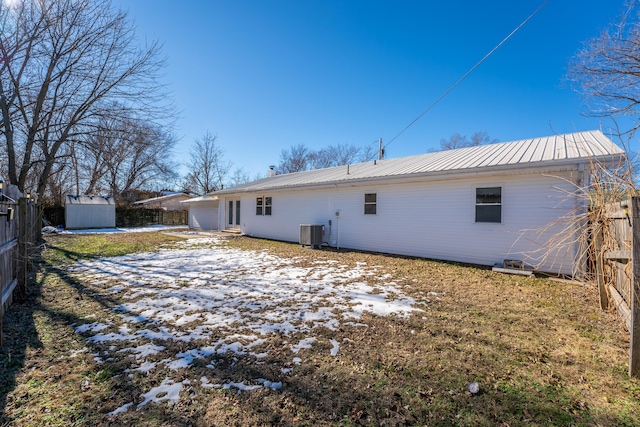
[489, 204]
[267, 205]
[263, 205]
[370, 203]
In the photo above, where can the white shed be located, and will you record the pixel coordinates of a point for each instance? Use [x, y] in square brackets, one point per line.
[89, 212]
[203, 212]
[478, 205]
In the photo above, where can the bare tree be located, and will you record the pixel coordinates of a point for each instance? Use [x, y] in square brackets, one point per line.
[295, 159]
[207, 167]
[336, 155]
[461, 141]
[65, 64]
[138, 156]
[299, 158]
[607, 69]
[238, 177]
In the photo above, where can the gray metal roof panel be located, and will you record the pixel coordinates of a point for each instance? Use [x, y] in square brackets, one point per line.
[579, 146]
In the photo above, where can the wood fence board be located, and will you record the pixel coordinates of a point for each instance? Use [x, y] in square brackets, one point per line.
[617, 267]
[18, 238]
[634, 306]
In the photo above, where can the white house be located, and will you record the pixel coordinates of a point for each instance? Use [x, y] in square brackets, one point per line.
[89, 212]
[203, 212]
[477, 205]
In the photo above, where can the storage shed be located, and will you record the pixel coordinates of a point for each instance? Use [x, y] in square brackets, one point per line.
[203, 212]
[89, 212]
[480, 205]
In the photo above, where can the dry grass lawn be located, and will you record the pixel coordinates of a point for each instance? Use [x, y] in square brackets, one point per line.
[541, 352]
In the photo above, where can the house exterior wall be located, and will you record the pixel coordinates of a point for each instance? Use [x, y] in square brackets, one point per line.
[431, 219]
[203, 216]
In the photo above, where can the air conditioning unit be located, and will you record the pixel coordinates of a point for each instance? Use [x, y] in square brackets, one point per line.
[311, 235]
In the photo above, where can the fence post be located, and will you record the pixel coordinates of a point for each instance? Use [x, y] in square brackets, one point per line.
[634, 303]
[39, 214]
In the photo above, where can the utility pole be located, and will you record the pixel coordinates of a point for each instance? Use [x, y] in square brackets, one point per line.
[380, 150]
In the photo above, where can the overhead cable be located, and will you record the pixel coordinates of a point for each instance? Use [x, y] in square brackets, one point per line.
[446, 92]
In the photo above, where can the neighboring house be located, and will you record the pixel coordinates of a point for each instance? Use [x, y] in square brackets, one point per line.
[203, 212]
[89, 212]
[170, 202]
[478, 205]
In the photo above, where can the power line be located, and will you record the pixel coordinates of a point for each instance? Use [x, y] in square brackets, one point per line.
[472, 69]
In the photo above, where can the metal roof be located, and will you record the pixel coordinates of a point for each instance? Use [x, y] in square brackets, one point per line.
[551, 151]
[89, 200]
[161, 198]
[205, 198]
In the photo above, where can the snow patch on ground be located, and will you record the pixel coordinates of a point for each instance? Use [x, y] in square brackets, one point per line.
[217, 300]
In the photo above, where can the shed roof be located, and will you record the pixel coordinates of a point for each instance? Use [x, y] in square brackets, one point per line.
[551, 151]
[89, 200]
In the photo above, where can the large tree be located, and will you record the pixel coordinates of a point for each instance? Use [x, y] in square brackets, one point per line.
[66, 65]
[606, 71]
[207, 168]
[121, 156]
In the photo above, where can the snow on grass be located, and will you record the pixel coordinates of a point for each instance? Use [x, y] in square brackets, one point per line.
[217, 300]
[168, 390]
[335, 347]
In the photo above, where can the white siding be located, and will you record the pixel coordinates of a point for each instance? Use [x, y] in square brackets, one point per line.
[203, 216]
[433, 219]
[90, 216]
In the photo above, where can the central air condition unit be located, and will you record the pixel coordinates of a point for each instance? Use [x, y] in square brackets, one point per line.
[311, 235]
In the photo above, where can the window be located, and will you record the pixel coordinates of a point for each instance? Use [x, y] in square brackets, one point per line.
[263, 205]
[267, 205]
[489, 204]
[370, 203]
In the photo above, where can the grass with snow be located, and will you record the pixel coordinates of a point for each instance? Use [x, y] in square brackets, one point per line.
[149, 329]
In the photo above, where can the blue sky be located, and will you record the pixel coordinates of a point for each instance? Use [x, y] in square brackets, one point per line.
[266, 75]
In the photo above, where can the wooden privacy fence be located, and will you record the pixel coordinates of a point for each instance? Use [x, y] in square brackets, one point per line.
[128, 217]
[20, 232]
[140, 217]
[617, 262]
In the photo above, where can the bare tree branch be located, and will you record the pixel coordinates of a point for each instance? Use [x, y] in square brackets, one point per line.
[65, 65]
[606, 71]
[207, 168]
